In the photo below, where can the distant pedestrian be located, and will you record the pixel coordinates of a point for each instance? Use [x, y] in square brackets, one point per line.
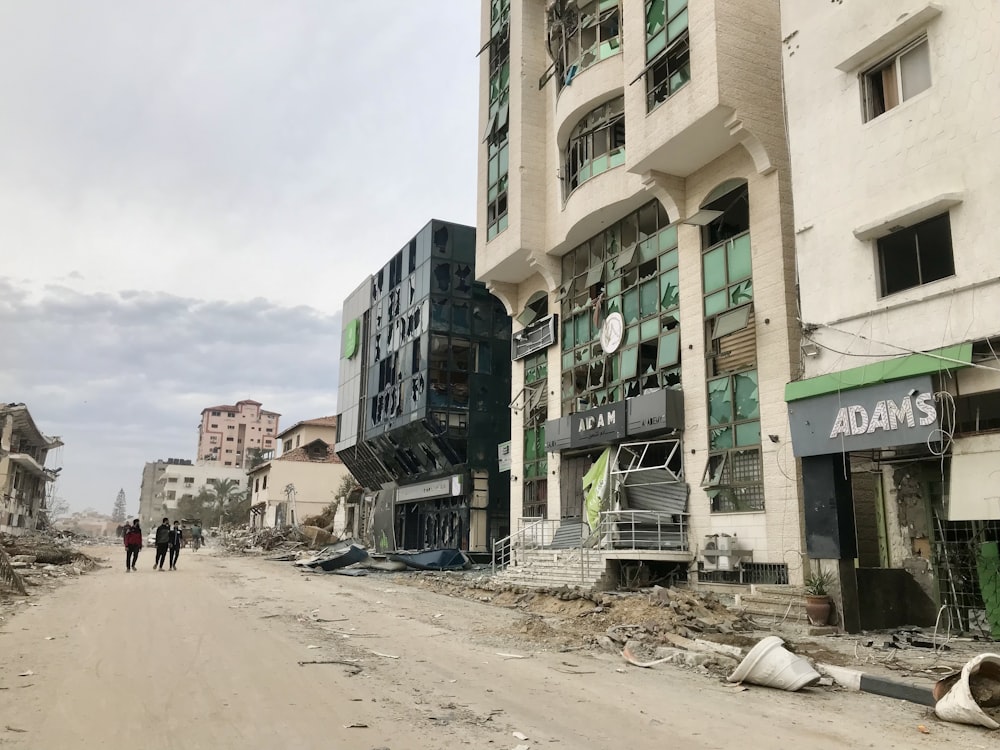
[176, 538]
[196, 536]
[162, 543]
[133, 543]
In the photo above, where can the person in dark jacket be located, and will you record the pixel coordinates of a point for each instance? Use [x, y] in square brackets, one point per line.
[176, 538]
[133, 543]
[162, 543]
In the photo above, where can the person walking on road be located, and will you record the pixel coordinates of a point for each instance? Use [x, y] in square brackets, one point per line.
[176, 538]
[133, 543]
[162, 543]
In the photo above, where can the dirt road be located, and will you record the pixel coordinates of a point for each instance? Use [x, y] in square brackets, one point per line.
[208, 658]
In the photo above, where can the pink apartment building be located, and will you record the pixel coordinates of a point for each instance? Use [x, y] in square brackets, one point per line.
[229, 433]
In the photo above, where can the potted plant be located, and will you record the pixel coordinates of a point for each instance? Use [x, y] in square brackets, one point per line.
[818, 604]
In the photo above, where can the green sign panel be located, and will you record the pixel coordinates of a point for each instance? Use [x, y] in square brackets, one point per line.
[351, 335]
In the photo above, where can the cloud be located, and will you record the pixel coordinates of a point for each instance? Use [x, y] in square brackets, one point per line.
[122, 378]
[282, 144]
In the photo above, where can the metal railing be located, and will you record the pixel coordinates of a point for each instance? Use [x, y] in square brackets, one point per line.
[534, 532]
[643, 530]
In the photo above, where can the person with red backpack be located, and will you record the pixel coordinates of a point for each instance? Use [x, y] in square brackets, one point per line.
[133, 543]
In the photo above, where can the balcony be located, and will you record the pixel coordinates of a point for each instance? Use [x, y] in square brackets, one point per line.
[727, 94]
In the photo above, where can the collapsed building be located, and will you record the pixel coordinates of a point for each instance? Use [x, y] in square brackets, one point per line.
[24, 478]
[423, 392]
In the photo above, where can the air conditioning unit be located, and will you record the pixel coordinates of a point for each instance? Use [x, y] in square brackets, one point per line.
[715, 552]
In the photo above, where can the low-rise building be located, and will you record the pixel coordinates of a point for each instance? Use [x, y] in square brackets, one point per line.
[303, 481]
[184, 481]
[24, 477]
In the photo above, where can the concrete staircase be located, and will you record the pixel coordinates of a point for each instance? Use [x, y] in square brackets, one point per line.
[542, 568]
[774, 605]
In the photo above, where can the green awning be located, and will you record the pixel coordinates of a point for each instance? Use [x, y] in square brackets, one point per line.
[926, 363]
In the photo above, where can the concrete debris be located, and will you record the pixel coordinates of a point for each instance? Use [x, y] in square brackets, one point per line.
[246, 540]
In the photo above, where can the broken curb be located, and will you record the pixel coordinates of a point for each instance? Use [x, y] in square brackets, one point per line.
[852, 679]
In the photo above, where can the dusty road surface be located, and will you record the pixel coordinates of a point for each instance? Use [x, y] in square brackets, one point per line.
[207, 658]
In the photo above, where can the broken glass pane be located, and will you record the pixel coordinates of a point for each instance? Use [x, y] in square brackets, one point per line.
[741, 293]
[442, 277]
[647, 221]
[715, 470]
[747, 404]
[613, 288]
[582, 328]
[670, 348]
[720, 401]
[748, 433]
[719, 439]
[629, 230]
[738, 252]
[670, 293]
[655, 17]
[714, 265]
[461, 317]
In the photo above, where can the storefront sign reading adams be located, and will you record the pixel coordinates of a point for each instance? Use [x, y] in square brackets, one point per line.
[901, 412]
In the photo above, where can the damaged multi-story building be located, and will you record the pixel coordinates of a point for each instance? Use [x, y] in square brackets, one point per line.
[894, 145]
[24, 478]
[423, 392]
[635, 219]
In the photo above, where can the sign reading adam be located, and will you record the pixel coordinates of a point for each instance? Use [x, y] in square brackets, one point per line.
[901, 412]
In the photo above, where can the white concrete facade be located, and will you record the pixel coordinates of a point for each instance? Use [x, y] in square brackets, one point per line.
[856, 181]
[726, 123]
[177, 481]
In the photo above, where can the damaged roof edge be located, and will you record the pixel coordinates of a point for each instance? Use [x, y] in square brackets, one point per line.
[925, 363]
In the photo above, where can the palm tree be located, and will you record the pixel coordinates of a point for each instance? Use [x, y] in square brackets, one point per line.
[223, 490]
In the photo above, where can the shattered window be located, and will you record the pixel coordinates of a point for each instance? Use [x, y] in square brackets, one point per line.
[580, 34]
[734, 475]
[497, 127]
[534, 406]
[596, 145]
[727, 280]
[668, 54]
[629, 268]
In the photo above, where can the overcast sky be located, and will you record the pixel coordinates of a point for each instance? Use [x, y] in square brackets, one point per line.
[188, 191]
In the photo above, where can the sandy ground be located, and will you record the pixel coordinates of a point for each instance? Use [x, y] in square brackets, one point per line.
[208, 657]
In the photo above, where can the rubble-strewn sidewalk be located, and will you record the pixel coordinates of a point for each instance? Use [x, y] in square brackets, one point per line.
[36, 561]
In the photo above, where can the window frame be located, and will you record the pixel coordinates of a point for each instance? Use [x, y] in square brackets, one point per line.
[871, 108]
[630, 266]
[881, 251]
[673, 59]
[605, 122]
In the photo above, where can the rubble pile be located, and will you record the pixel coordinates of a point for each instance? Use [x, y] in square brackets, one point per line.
[32, 559]
[245, 539]
[571, 617]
